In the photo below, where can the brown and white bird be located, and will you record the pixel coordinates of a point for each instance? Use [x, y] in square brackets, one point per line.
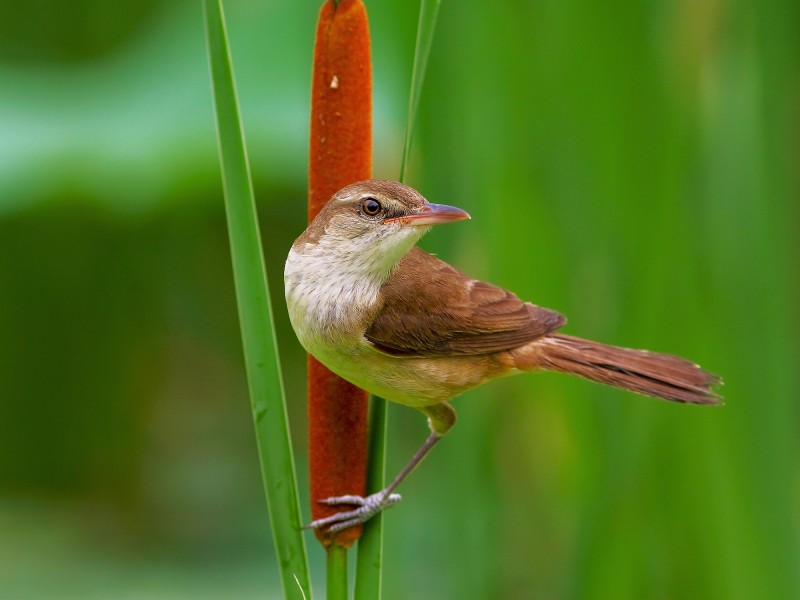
[408, 327]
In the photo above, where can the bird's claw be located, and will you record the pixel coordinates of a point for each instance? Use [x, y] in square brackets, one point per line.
[367, 508]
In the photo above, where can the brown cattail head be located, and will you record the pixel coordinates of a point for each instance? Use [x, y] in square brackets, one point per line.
[341, 102]
[340, 154]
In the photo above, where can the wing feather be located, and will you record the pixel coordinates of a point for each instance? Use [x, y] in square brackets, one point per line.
[452, 314]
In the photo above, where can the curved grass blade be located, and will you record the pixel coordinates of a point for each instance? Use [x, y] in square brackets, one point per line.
[428, 14]
[369, 565]
[255, 314]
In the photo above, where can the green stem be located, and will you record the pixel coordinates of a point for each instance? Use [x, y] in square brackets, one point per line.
[369, 565]
[336, 573]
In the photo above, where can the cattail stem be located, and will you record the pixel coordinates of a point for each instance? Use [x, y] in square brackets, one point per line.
[336, 569]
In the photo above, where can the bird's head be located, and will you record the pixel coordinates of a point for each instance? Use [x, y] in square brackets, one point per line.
[376, 222]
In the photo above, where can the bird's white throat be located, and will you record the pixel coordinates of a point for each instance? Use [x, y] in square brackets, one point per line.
[332, 285]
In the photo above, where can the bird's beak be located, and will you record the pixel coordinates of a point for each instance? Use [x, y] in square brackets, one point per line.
[432, 214]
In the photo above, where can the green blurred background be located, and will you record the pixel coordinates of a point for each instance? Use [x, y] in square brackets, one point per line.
[631, 164]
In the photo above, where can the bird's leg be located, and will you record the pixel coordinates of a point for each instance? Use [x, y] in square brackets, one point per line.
[441, 418]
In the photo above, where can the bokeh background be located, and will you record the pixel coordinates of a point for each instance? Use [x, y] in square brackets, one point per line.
[632, 164]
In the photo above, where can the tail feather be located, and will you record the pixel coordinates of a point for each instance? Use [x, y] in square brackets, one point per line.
[649, 373]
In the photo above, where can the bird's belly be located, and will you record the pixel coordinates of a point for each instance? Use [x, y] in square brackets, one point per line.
[412, 381]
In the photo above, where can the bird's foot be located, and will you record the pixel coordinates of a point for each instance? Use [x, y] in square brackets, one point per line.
[367, 508]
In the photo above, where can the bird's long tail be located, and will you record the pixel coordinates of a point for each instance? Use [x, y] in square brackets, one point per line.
[650, 373]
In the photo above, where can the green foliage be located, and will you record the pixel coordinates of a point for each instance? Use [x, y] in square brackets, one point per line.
[632, 168]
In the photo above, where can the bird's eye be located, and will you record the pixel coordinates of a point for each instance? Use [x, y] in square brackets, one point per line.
[370, 206]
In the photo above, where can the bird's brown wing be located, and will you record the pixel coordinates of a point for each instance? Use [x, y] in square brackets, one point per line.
[432, 309]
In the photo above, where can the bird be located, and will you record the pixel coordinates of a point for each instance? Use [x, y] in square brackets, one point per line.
[404, 325]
